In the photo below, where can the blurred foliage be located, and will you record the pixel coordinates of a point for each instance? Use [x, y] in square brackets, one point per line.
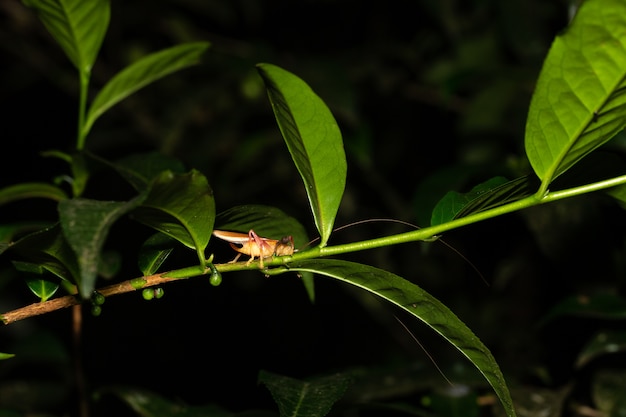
[430, 95]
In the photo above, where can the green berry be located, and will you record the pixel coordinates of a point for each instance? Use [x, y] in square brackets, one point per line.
[159, 292]
[147, 294]
[96, 310]
[216, 278]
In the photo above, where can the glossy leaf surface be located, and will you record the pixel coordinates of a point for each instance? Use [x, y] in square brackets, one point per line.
[580, 98]
[141, 73]
[314, 141]
[422, 306]
[181, 206]
[78, 26]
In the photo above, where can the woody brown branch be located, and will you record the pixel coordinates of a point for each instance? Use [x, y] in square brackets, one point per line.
[49, 306]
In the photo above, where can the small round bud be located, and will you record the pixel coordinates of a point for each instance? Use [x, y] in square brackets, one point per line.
[147, 293]
[96, 310]
[159, 292]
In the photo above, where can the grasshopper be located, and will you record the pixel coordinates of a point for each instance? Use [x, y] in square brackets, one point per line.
[256, 246]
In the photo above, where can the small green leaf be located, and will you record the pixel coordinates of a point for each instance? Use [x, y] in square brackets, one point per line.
[310, 398]
[31, 190]
[141, 73]
[181, 206]
[579, 101]
[42, 288]
[314, 141]
[86, 224]
[78, 26]
[492, 193]
[154, 251]
[6, 355]
[422, 306]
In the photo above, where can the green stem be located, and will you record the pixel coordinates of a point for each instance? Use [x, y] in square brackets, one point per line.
[82, 109]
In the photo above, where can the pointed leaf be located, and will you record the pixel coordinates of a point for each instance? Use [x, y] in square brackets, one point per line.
[310, 398]
[492, 193]
[31, 190]
[422, 306]
[78, 26]
[42, 288]
[154, 251]
[314, 141]
[181, 206]
[86, 224]
[143, 72]
[580, 98]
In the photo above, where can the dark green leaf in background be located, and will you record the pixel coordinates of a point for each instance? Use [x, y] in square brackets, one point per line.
[86, 225]
[311, 398]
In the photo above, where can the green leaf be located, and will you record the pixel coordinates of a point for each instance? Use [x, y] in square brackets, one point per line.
[42, 288]
[607, 342]
[149, 404]
[141, 73]
[181, 206]
[31, 190]
[310, 398]
[154, 251]
[422, 306]
[598, 306]
[579, 101]
[492, 193]
[4, 356]
[314, 141]
[141, 168]
[78, 26]
[86, 224]
[46, 249]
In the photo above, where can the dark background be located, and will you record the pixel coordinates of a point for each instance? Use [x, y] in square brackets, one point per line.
[430, 96]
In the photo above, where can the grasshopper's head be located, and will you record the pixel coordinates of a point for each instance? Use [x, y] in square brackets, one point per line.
[284, 246]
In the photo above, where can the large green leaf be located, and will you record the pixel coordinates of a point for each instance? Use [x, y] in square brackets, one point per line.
[580, 98]
[78, 26]
[422, 306]
[141, 73]
[311, 398]
[181, 206]
[314, 141]
[86, 225]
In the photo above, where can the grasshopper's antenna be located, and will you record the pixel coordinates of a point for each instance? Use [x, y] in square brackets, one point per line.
[425, 351]
[452, 248]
